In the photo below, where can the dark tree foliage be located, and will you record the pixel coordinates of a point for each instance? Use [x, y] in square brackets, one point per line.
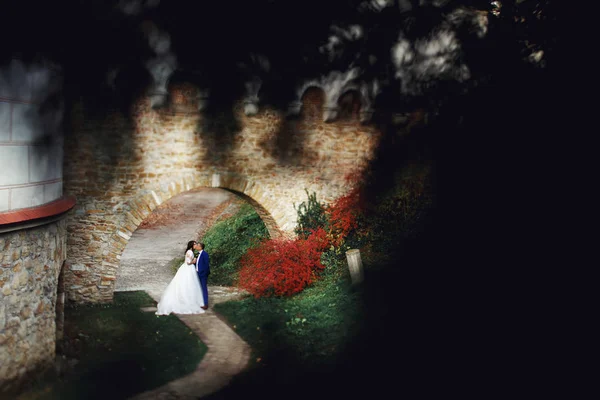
[217, 41]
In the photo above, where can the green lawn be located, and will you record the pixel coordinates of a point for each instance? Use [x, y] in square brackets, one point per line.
[311, 329]
[121, 350]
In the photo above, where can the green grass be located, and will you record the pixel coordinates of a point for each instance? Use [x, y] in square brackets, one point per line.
[228, 240]
[326, 328]
[300, 344]
[122, 350]
[309, 329]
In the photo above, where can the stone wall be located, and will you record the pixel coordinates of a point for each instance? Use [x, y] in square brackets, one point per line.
[30, 264]
[121, 166]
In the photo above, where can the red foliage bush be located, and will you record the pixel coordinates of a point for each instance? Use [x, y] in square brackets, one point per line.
[343, 215]
[282, 267]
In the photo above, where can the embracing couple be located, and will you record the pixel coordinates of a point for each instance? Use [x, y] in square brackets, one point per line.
[187, 292]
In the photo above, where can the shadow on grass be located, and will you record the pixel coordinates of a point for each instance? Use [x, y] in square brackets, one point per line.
[400, 334]
[298, 343]
[120, 350]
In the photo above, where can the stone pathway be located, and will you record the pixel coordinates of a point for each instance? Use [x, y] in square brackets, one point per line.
[227, 354]
[145, 266]
[144, 263]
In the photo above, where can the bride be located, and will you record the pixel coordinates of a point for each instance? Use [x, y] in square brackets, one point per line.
[183, 295]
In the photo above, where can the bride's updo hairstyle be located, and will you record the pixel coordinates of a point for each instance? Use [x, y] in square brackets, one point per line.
[190, 245]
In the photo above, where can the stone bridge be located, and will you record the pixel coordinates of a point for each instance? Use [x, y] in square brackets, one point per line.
[121, 165]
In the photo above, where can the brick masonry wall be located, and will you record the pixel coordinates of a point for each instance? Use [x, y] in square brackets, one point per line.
[120, 167]
[30, 264]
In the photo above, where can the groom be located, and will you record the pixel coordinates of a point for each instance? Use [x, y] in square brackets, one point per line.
[203, 270]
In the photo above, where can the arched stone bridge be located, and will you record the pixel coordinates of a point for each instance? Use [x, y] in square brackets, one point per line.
[120, 166]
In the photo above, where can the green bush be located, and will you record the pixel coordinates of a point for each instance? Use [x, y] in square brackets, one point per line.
[311, 215]
[228, 240]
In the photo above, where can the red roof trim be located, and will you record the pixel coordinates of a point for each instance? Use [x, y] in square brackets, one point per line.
[56, 207]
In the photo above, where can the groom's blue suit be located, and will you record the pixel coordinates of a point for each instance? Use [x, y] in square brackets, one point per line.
[203, 269]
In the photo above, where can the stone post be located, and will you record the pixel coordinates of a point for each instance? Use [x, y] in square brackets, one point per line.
[355, 265]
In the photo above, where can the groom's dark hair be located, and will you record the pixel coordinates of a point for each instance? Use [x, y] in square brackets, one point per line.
[201, 245]
[190, 245]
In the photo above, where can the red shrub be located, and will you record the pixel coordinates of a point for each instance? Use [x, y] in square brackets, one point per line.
[282, 267]
[318, 240]
[343, 215]
[285, 267]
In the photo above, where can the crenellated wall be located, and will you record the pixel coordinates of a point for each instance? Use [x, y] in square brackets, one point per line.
[120, 167]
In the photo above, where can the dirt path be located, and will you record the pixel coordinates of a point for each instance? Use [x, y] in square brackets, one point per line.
[227, 355]
[145, 263]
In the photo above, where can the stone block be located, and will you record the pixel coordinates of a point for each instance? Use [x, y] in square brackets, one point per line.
[13, 322]
[132, 219]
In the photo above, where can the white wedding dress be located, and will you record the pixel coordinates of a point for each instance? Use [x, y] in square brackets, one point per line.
[183, 295]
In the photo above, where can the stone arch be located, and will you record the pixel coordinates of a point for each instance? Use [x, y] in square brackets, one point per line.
[333, 87]
[297, 105]
[349, 104]
[139, 208]
[313, 102]
[251, 193]
[265, 216]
